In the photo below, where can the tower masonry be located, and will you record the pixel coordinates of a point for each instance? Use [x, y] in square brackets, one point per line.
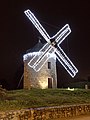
[46, 77]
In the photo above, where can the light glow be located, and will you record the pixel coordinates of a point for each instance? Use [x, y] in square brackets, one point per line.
[37, 62]
[71, 89]
[43, 84]
[37, 24]
[33, 54]
[30, 55]
[66, 63]
[60, 33]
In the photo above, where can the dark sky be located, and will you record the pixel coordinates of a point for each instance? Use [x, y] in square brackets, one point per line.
[17, 33]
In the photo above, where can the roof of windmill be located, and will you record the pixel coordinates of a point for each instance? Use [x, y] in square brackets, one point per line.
[36, 48]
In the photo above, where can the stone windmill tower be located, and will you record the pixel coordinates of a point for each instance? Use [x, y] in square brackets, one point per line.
[46, 77]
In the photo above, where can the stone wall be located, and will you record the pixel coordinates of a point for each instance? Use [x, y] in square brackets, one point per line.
[47, 113]
[33, 79]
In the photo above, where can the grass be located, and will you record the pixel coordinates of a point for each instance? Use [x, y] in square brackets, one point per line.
[20, 99]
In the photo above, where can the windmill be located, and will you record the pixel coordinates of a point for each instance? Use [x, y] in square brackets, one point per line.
[52, 46]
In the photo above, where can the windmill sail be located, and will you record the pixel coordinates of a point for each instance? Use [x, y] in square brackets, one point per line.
[53, 46]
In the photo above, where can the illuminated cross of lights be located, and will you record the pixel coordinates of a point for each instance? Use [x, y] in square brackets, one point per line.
[52, 46]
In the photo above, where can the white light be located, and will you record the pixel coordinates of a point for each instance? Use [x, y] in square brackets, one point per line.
[31, 55]
[37, 62]
[37, 24]
[60, 32]
[65, 61]
[44, 58]
[71, 89]
[44, 50]
[63, 35]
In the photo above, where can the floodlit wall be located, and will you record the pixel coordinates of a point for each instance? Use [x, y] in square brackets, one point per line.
[33, 79]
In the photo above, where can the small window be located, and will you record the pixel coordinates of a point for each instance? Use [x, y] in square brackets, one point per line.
[49, 65]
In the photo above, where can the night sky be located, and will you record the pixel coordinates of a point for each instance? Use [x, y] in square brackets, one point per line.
[17, 34]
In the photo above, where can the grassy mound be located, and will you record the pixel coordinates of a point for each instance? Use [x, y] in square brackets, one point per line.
[19, 99]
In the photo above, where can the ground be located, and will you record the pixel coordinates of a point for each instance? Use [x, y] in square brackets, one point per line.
[23, 99]
[83, 117]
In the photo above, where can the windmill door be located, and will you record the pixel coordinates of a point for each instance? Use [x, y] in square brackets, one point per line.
[49, 82]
